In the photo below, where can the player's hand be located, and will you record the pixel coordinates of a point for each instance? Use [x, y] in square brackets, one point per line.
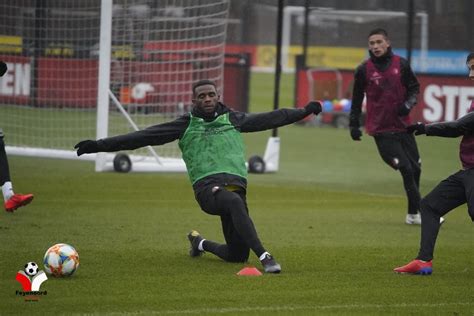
[356, 133]
[418, 128]
[86, 147]
[404, 109]
[314, 107]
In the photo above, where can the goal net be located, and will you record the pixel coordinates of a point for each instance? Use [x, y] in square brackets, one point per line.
[87, 69]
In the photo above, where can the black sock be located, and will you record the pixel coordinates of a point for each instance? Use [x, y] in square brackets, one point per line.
[4, 169]
[429, 231]
[411, 189]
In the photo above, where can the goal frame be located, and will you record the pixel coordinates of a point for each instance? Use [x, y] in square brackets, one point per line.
[103, 161]
[108, 100]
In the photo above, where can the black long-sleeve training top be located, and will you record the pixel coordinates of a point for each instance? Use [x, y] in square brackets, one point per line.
[461, 127]
[167, 132]
[381, 63]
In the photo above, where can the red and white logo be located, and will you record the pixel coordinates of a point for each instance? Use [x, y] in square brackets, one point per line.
[31, 279]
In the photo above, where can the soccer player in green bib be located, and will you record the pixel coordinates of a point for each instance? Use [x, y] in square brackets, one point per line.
[213, 150]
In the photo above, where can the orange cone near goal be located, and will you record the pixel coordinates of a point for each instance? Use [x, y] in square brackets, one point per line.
[249, 271]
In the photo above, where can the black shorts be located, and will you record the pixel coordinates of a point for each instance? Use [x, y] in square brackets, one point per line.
[452, 192]
[398, 150]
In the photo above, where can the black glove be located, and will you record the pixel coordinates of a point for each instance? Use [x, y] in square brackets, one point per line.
[355, 133]
[314, 107]
[418, 128]
[3, 68]
[404, 109]
[86, 147]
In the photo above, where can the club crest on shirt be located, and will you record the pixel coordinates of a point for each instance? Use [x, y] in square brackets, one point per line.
[375, 78]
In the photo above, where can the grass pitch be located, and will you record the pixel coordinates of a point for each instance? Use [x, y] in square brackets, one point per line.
[333, 216]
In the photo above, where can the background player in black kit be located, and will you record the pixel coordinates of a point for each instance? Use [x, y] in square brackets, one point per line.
[12, 200]
[391, 89]
[450, 193]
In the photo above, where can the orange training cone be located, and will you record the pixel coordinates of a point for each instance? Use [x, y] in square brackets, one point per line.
[249, 271]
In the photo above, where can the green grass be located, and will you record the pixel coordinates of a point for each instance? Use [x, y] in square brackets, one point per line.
[333, 217]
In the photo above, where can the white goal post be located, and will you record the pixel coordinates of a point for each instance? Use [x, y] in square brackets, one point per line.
[89, 69]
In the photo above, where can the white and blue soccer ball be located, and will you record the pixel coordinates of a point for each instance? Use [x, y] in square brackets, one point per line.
[31, 268]
[61, 260]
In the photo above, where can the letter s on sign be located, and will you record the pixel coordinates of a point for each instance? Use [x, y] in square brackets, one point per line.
[433, 111]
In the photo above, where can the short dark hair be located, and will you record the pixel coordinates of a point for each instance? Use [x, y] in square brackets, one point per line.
[203, 83]
[379, 31]
[469, 57]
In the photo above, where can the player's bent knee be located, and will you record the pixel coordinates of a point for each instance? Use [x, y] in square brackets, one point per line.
[235, 199]
[427, 208]
[424, 205]
[236, 204]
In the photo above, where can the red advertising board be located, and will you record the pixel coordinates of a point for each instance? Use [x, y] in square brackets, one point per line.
[69, 82]
[73, 83]
[15, 87]
[443, 98]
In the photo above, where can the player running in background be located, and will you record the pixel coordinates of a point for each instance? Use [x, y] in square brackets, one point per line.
[450, 193]
[213, 150]
[12, 200]
[391, 89]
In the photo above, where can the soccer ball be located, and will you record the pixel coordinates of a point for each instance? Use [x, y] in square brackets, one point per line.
[31, 268]
[61, 260]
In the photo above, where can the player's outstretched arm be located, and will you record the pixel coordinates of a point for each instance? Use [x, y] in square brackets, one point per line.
[152, 136]
[122, 142]
[86, 147]
[268, 120]
[462, 126]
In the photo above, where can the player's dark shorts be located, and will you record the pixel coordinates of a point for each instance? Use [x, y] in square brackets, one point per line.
[398, 150]
[452, 192]
[1, 133]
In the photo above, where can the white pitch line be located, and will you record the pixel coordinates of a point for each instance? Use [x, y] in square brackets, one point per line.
[226, 310]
